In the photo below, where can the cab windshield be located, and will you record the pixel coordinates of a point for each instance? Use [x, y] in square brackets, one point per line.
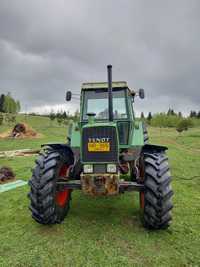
[96, 101]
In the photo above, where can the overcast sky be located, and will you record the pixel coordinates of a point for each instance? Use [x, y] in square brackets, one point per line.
[48, 46]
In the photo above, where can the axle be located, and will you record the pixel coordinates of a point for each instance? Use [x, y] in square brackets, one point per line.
[123, 185]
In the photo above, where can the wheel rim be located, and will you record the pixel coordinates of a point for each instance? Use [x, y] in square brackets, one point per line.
[62, 197]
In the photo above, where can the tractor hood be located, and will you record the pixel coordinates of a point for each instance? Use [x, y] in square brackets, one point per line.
[100, 142]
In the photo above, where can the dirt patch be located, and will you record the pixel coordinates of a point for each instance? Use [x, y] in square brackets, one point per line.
[6, 175]
[21, 130]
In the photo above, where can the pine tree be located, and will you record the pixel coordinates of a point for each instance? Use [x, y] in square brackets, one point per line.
[169, 112]
[149, 117]
[142, 115]
[193, 114]
[64, 115]
[2, 99]
[172, 112]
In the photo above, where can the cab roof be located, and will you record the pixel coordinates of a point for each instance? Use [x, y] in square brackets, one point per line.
[100, 85]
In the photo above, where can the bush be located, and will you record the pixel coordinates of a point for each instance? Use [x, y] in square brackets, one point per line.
[163, 120]
[59, 120]
[10, 118]
[183, 125]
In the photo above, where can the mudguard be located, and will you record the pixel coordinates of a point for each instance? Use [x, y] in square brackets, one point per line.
[61, 147]
[153, 148]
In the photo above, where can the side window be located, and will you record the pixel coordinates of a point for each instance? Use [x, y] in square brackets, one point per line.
[119, 105]
[123, 130]
[119, 108]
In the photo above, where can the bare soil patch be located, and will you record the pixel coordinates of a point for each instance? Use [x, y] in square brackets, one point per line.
[20, 131]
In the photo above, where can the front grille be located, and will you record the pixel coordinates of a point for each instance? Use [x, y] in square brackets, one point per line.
[99, 168]
[100, 132]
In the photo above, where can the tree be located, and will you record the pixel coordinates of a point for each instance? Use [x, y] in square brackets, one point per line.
[76, 115]
[164, 120]
[193, 114]
[149, 117]
[198, 115]
[2, 99]
[171, 112]
[183, 125]
[64, 115]
[180, 114]
[142, 115]
[1, 118]
[8, 104]
[52, 116]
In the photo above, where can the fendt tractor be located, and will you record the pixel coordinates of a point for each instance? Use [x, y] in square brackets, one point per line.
[106, 153]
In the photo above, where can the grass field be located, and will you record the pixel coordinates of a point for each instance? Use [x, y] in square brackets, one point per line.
[104, 231]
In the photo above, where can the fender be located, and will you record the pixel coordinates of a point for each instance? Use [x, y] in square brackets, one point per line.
[153, 148]
[61, 147]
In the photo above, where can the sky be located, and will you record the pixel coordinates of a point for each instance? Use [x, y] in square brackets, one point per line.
[48, 47]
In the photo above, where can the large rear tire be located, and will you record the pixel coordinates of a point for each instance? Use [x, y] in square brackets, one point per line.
[156, 200]
[48, 203]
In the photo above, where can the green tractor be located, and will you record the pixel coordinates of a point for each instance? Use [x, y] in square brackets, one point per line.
[107, 153]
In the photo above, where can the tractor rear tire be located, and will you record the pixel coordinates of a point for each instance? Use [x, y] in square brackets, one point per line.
[156, 200]
[48, 204]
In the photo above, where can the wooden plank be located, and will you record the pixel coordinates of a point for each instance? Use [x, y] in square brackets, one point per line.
[18, 153]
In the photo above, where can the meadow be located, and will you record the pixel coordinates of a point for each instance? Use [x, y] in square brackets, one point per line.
[103, 231]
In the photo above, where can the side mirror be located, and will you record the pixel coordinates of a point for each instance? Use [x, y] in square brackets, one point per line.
[141, 93]
[68, 96]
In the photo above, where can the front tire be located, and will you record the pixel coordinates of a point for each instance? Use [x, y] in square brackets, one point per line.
[49, 204]
[156, 200]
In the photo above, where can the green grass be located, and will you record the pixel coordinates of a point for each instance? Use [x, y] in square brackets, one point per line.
[104, 231]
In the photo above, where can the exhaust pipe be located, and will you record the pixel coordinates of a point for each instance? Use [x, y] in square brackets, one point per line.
[110, 97]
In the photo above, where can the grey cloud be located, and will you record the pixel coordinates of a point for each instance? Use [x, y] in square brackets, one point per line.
[47, 47]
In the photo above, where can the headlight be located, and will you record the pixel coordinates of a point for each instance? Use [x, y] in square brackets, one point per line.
[88, 168]
[112, 168]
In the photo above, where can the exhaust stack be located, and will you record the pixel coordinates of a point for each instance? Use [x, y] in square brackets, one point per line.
[110, 97]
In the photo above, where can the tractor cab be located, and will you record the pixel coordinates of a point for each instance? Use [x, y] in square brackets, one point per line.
[94, 98]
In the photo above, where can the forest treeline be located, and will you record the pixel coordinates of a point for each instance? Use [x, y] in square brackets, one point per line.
[8, 104]
[172, 119]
